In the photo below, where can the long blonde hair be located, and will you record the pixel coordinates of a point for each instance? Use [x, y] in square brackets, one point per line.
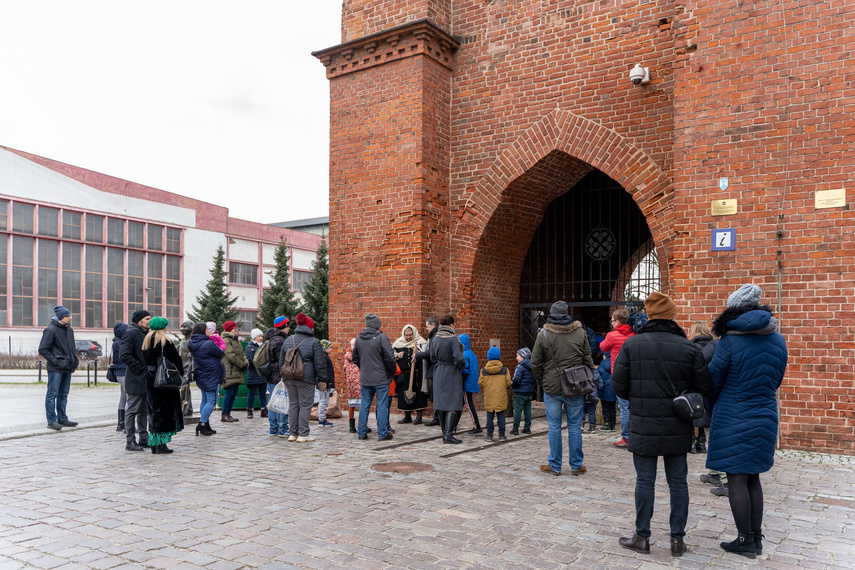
[698, 329]
[158, 336]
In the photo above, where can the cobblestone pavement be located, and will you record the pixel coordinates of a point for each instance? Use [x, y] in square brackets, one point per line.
[239, 499]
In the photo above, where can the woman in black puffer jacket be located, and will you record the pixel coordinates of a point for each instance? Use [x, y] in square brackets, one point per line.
[208, 369]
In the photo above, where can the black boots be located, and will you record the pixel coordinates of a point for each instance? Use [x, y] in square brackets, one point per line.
[204, 429]
[132, 445]
[160, 449]
[701, 443]
[448, 420]
[418, 419]
[121, 425]
[743, 545]
[758, 541]
[352, 425]
[435, 421]
[407, 419]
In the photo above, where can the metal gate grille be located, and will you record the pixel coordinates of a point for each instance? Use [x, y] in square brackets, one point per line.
[593, 250]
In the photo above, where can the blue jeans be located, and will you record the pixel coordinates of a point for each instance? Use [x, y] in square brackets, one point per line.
[368, 393]
[56, 399]
[591, 411]
[209, 400]
[573, 409]
[624, 417]
[229, 395]
[251, 391]
[676, 472]
[278, 422]
[500, 419]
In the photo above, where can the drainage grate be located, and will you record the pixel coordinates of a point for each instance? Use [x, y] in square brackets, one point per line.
[402, 467]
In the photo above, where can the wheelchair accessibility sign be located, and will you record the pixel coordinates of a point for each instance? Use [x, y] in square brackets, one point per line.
[724, 240]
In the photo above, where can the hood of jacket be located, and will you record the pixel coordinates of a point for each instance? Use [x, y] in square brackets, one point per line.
[119, 330]
[563, 329]
[464, 340]
[196, 341]
[229, 335]
[662, 325]
[368, 333]
[272, 331]
[494, 367]
[304, 330]
[625, 330]
[753, 322]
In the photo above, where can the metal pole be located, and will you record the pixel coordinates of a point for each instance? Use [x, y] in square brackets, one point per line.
[96, 371]
[40, 369]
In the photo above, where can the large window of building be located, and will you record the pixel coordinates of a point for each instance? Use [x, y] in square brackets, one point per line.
[48, 282]
[22, 281]
[243, 274]
[22, 218]
[300, 279]
[94, 290]
[48, 221]
[65, 263]
[71, 225]
[71, 282]
[115, 286]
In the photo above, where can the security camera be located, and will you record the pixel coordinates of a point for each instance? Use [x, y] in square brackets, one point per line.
[639, 75]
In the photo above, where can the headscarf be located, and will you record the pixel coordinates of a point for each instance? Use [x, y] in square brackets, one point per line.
[403, 343]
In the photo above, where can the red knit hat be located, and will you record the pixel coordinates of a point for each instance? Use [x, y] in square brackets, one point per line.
[301, 319]
[310, 323]
[229, 326]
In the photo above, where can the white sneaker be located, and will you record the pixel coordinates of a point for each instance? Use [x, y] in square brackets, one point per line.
[302, 439]
[292, 438]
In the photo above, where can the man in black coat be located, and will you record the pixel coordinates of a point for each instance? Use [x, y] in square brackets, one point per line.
[648, 364]
[136, 402]
[431, 326]
[57, 348]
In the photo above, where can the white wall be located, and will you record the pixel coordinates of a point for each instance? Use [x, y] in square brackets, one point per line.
[243, 250]
[247, 297]
[302, 259]
[200, 247]
[267, 252]
[26, 179]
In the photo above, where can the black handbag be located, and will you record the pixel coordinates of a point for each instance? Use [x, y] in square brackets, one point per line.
[576, 380]
[111, 374]
[688, 406]
[167, 376]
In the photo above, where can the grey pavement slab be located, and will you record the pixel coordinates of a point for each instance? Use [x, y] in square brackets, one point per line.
[243, 499]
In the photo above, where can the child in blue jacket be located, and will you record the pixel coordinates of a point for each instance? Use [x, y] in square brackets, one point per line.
[607, 395]
[523, 385]
[471, 373]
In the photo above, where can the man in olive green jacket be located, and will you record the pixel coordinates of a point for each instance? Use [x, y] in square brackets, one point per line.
[569, 342]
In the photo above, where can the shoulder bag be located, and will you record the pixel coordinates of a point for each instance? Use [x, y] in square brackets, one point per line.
[688, 406]
[167, 376]
[576, 380]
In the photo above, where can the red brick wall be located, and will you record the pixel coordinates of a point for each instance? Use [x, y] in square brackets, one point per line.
[466, 153]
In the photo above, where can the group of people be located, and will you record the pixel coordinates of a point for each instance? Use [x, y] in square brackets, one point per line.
[643, 371]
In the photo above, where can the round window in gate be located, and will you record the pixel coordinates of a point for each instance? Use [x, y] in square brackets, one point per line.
[600, 243]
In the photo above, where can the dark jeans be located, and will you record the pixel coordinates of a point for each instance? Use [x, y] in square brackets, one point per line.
[58, 385]
[591, 412]
[470, 406]
[251, 391]
[676, 472]
[609, 414]
[229, 395]
[522, 403]
[500, 419]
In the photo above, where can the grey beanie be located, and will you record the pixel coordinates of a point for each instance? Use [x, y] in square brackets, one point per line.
[558, 308]
[746, 296]
[61, 312]
[372, 321]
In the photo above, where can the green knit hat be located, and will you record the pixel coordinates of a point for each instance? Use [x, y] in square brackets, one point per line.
[325, 344]
[158, 323]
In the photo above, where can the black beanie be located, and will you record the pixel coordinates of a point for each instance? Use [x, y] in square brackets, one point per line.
[140, 315]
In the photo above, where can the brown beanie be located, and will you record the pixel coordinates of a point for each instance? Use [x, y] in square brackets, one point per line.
[660, 306]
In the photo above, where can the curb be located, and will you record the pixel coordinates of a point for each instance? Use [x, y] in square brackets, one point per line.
[188, 420]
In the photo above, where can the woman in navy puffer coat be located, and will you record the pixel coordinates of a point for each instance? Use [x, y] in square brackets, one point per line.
[208, 370]
[747, 369]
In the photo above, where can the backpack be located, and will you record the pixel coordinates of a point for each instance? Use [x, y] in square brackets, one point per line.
[292, 366]
[261, 359]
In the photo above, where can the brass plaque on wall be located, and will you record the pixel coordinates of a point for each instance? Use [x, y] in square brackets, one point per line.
[723, 207]
[830, 198]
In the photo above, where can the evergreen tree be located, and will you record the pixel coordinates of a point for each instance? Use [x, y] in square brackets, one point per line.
[214, 304]
[316, 292]
[279, 299]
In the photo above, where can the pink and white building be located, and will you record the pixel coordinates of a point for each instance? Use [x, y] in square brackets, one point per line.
[105, 247]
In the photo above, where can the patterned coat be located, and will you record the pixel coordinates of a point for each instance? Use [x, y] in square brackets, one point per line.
[352, 386]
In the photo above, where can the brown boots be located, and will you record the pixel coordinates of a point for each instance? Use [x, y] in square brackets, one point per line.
[228, 418]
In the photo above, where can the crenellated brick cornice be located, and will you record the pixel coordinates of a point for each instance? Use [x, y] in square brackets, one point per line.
[421, 37]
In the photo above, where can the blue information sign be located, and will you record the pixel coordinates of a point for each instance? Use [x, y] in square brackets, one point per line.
[724, 240]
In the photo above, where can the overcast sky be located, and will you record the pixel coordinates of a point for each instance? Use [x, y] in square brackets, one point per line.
[220, 101]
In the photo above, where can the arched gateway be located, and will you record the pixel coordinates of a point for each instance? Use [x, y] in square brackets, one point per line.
[469, 139]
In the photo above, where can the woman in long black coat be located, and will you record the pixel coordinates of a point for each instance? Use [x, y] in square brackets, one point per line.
[446, 352]
[165, 417]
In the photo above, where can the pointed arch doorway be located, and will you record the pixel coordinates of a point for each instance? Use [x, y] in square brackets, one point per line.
[594, 250]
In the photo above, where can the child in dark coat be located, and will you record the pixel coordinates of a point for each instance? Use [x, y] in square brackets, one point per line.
[523, 386]
[607, 395]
